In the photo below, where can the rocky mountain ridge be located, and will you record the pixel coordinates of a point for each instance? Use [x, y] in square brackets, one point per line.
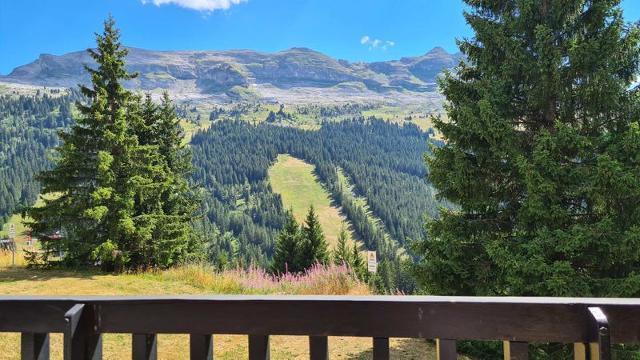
[300, 74]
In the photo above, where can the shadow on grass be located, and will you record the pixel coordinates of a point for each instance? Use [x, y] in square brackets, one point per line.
[20, 273]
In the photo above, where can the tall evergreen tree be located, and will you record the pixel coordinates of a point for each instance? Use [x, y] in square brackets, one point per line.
[104, 194]
[173, 237]
[541, 155]
[314, 245]
[288, 247]
[357, 262]
[342, 253]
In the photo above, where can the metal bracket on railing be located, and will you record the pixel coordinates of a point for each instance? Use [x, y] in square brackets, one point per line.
[603, 333]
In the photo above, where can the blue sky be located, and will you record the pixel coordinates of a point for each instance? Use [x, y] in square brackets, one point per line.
[356, 30]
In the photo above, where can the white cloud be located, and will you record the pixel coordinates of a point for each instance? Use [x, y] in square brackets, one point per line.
[376, 43]
[199, 5]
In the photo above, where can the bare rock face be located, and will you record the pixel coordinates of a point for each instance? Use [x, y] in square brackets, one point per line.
[219, 76]
[215, 73]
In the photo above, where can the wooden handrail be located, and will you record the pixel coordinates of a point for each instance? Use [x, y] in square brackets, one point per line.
[517, 321]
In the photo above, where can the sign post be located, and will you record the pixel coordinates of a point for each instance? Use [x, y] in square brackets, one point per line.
[372, 262]
[12, 237]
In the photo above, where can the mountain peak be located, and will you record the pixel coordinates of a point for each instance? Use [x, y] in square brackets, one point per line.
[438, 51]
[302, 49]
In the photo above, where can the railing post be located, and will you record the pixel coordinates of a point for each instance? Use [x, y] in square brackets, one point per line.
[201, 347]
[515, 350]
[446, 349]
[318, 348]
[144, 346]
[380, 348]
[579, 351]
[34, 346]
[603, 351]
[259, 347]
[81, 338]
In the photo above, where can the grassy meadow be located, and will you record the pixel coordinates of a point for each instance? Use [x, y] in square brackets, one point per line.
[299, 188]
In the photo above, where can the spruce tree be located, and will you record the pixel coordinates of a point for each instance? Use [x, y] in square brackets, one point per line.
[540, 155]
[314, 245]
[288, 247]
[357, 262]
[173, 237]
[342, 254]
[105, 196]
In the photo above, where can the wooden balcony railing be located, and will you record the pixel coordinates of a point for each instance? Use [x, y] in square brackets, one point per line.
[592, 325]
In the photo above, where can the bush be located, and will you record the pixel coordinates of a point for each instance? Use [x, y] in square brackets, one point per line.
[108, 257]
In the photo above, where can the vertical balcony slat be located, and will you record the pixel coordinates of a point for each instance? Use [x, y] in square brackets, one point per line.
[579, 351]
[81, 339]
[201, 347]
[318, 348]
[446, 349]
[144, 346]
[34, 346]
[516, 350]
[381, 348]
[259, 347]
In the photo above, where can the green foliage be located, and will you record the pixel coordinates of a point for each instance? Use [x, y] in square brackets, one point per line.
[351, 257]
[314, 245]
[541, 155]
[387, 158]
[28, 129]
[108, 256]
[119, 179]
[342, 254]
[287, 256]
[357, 262]
[373, 154]
[36, 259]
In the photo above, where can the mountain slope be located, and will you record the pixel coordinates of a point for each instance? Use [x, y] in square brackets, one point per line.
[226, 75]
[294, 180]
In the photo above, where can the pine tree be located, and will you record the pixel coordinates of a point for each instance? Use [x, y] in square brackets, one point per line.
[173, 238]
[540, 155]
[358, 262]
[106, 194]
[342, 254]
[287, 254]
[314, 246]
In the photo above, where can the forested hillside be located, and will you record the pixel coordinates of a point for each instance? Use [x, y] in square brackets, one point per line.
[28, 129]
[382, 160]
